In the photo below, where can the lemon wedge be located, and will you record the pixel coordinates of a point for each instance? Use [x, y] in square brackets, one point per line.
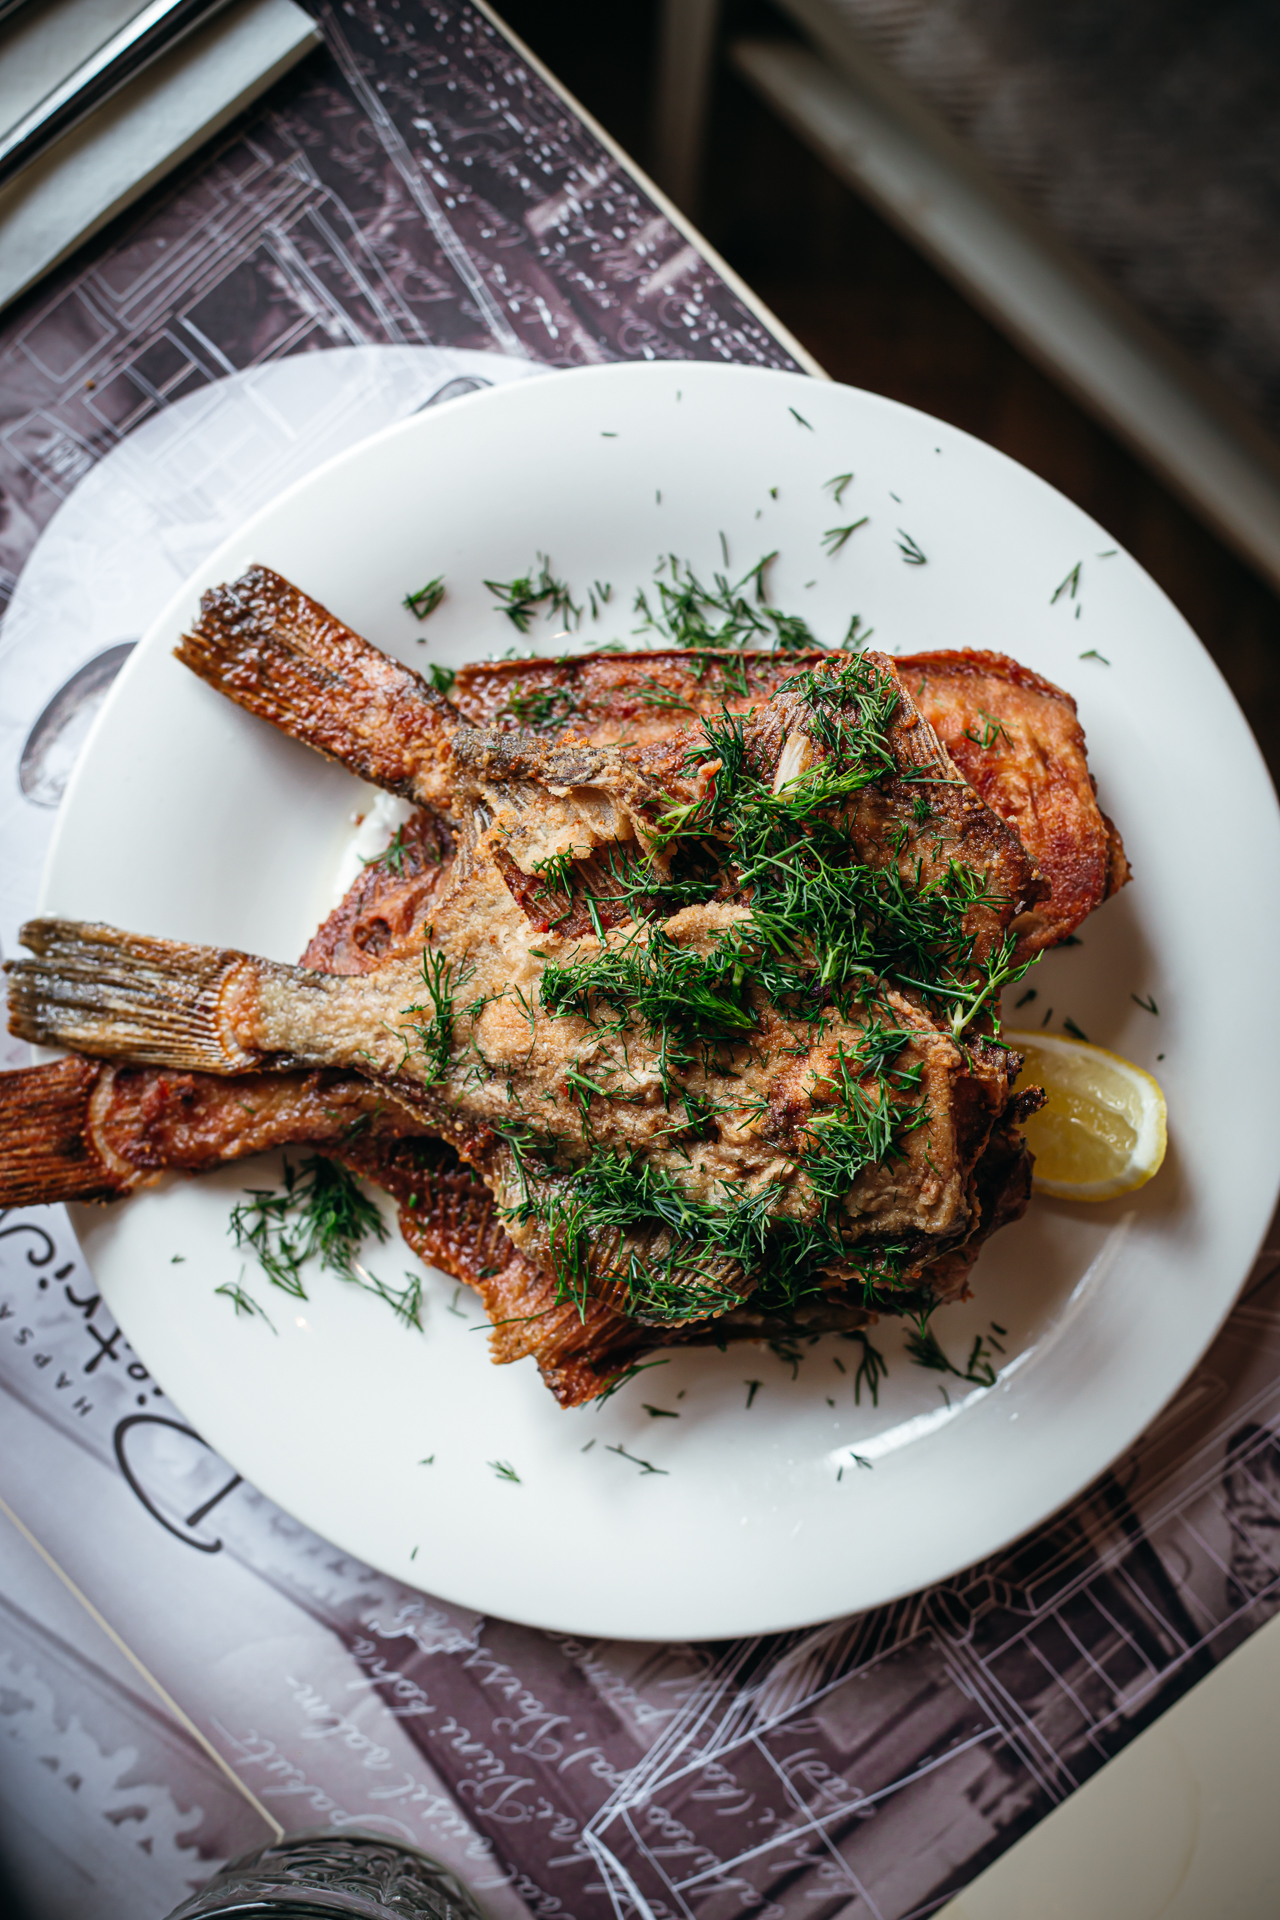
[1101, 1131]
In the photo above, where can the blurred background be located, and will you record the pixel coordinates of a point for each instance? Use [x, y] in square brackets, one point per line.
[1119, 158]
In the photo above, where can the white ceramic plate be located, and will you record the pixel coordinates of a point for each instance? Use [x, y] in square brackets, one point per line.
[188, 818]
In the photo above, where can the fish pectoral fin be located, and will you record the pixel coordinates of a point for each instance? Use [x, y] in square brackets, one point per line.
[125, 996]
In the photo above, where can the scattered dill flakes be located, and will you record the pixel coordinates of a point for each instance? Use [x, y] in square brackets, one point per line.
[588, 1446]
[178, 1260]
[1076, 1032]
[926, 1351]
[910, 550]
[753, 1387]
[441, 678]
[504, 1470]
[1047, 1017]
[608, 436]
[319, 1213]
[659, 1413]
[521, 598]
[1093, 654]
[243, 1301]
[453, 1306]
[837, 485]
[992, 730]
[1159, 1056]
[800, 417]
[1109, 554]
[619, 1380]
[1147, 1003]
[424, 602]
[1070, 586]
[429, 1461]
[834, 537]
[872, 1369]
[435, 1034]
[1025, 999]
[645, 1466]
[392, 855]
[773, 493]
[859, 1460]
[721, 616]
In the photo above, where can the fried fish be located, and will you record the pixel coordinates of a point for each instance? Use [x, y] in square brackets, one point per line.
[623, 1069]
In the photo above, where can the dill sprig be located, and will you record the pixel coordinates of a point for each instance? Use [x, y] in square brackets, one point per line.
[834, 538]
[521, 598]
[442, 980]
[727, 615]
[871, 1369]
[441, 678]
[926, 1351]
[243, 1301]
[319, 1213]
[424, 602]
[392, 855]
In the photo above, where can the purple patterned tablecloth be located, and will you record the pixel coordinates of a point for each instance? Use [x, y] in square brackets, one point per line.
[184, 1669]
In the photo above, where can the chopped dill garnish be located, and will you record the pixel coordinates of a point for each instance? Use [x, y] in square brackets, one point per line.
[1070, 586]
[429, 1461]
[910, 550]
[659, 1413]
[441, 678]
[800, 417]
[926, 1351]
[1076, 1032]
[992, 730]
[834, 537]
[505, 1470]
[837, 485]
[645, 1466]
[1025, 999]
[521, 598]
[726, 615]
[243, 1301]
[424, 602]
[1147, 1003]
[320, 1213]
[753, 1387]
[616, 1381]
[392, 855]
[547, 708]
[872, 1369]
[435, 1035]
[1093, 654]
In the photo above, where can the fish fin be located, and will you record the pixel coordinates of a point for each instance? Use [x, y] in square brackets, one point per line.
[282, 656]
[124, 996]
[47, 1151]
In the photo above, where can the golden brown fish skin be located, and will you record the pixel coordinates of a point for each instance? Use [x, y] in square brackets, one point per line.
[607, 699]
[384, 914]
[1042, 788]
[79, 1129]
[278, 653]
[512, 1056]
[1015, 737]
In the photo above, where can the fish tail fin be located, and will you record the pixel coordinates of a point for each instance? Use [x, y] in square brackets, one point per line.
[284, 657]
[47, 1150]
[125, 996]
